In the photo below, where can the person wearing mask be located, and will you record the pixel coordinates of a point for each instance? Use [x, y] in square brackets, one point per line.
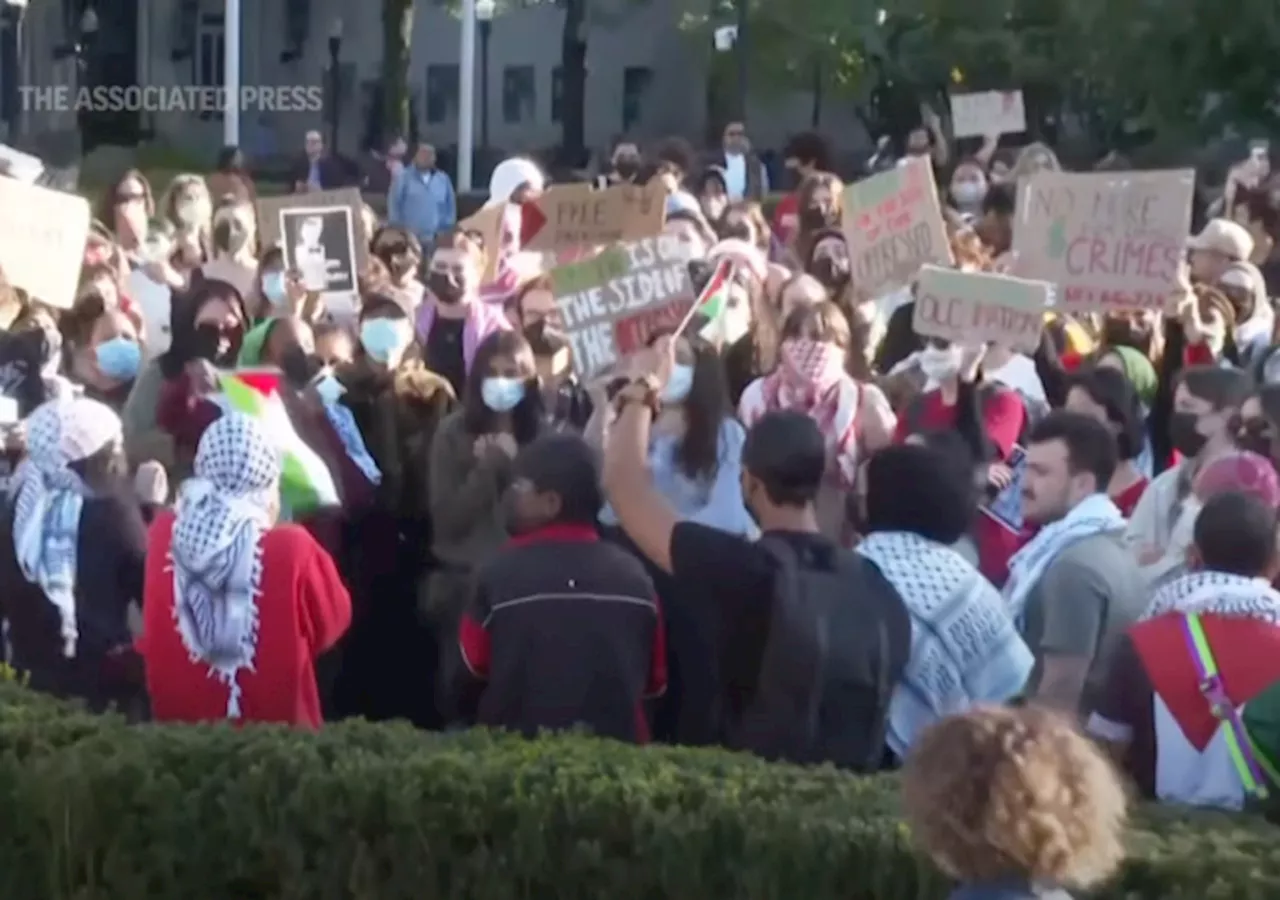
[673, 161]
[1206, 403]
[421, 199]
[231, 178]
[968, 190]
[470, 469]
[105, 357]
[1255, 320]
[806, 154]
[1074, 588]
[755, 354]
[744, 221]
[965, 649]
[928, 140]
[1258, 428]
[189, 208]
[1221, 617]
[274, 293]
[335, 345]
[536, 639]
[854, 418]
[818, 216]
[1219, 244]
[454, 318]
[169, 406]
[234, 240]
[565, 399]
[152, 284]
[1105, 395]
[771, 596]
[1259, 212]
[125, 210]
[995, 225]
[691, 229]
[713, 193]
[317, 170]
[237, 607]
[71, 557]
[977, 780]
[401, 253]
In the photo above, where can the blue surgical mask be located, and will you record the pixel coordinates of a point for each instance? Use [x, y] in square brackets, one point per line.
[329, 388]
[678, 385]
[273, 288]
[502, 394]
[381, 339]
[119, 358]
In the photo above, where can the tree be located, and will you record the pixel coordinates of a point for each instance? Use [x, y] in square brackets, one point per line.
[397, 33]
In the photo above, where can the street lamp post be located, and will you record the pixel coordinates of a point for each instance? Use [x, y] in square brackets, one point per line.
[85, 42]
[15, 97]
[335, 82]
[484, 17]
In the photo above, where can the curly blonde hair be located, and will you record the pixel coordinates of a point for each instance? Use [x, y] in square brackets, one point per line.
[1001, 793]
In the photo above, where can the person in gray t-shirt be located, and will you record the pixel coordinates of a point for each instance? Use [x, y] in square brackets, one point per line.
[1075, 587]
[1091, 592]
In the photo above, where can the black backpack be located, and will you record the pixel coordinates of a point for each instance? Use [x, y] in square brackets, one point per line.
[818, 697]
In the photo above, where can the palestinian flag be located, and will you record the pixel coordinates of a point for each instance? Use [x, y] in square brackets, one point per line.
[713, 301]
[1190, 660]
[305, 482]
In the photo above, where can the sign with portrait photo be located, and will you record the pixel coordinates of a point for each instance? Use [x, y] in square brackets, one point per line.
[322, 236]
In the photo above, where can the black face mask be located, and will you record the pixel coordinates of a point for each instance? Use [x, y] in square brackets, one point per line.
[207, 340]
[298, 367]
[833, 273]
[1252, 436]
[445, 287]
[813, 218]
[544, 340]
[1184, 435]
[626, 168]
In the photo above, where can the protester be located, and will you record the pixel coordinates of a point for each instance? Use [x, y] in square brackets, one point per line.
[1219, 245]
[106, 355]
[1074, 587]
[71, 557]
[713, 194]
[237, 607]
[806, 154]
[965, 650]
[760, 589]
[126, 209]
[421, 198]
[755, 354]
[975, 783]
[234, 242]
[564, 630]
[1259, 426]
[230, 177]
[1105, 395]
[1221, 621]
[818, 215]
[744, 174]
[565, 399]
[401, 252]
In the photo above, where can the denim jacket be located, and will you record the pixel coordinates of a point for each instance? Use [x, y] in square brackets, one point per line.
[422, 202]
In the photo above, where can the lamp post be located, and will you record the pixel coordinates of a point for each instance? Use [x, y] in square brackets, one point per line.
[484, 17]
[335, 82]
[12, 99]
[84, 54]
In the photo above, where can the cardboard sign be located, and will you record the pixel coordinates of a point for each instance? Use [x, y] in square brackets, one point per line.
[271, 232]
[487, 222]
[893, 225]
[1110, 241]
[612, 303]
[323, 237]
[42, 237]
[977, 308]
[988, 114]
[577, 215]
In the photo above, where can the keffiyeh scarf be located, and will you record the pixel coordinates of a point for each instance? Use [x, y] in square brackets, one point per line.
[964, 646]
[1217, 593]
[221, 516]
[49, 498]
[1095, 514]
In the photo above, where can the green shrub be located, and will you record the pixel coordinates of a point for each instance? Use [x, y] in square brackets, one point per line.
[96, 809]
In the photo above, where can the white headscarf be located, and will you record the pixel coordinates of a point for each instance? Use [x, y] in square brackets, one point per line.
[222, 513]
[509, 175]
[50, 497]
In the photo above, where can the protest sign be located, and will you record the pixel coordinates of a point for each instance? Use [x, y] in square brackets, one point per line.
[322, 235]
[988, 114]
[274, 212]
[42, 238]
[612, 303]
[576, 215]
[486, 222]
[977, 307]
[1110, 241]
[893, 225]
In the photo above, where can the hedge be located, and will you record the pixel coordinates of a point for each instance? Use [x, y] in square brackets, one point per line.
[95, 809]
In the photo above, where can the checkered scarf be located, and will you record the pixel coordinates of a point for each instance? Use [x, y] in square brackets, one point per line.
[1217, 593]
[49, 498]
[810, 378]
[222, 513]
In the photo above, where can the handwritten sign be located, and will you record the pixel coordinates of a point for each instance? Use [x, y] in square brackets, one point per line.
[988, 114]
[576, 215]
[612, 303]
[487, 223]
[1110, 241]
[893, 225]
[976, 308]
[42, 237]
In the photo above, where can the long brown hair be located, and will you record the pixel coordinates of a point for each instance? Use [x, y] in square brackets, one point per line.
[805, 238]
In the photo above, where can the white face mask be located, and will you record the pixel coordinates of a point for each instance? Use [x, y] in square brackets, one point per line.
[939, 363]
[678, 385]
[968, 193]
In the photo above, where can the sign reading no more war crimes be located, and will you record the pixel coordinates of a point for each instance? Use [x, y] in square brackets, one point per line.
[893, 226]
[612, 303]
[42, 235]
[1110, 241]
[975, 308]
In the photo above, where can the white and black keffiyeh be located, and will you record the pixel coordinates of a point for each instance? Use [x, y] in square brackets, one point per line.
[1217, 593]
[222, 513]
[49, 497]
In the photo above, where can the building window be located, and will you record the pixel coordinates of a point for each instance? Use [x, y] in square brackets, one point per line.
[519, 95]
[557, 93]
[635, 85]
[211, 55]
[442, 94]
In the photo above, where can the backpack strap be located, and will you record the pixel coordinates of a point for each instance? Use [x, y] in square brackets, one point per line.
[1243, 756]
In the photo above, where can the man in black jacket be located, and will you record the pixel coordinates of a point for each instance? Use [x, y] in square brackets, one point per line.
[318, 170]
